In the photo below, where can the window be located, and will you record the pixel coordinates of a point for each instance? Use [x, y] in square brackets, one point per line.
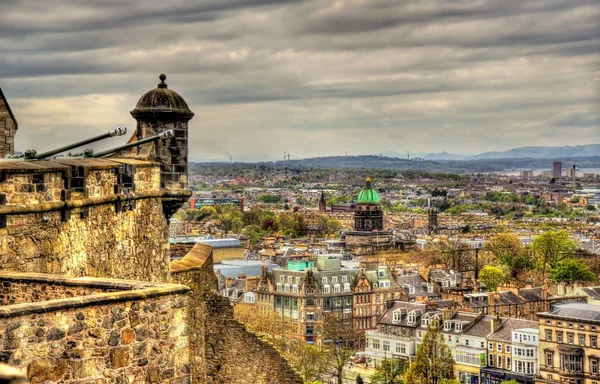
[279, 287]
[594, 366]
[397, 316]
[286, 287]
[499, 361]
[346, 287]
[344, 279]
[570, 338]
[375, 343]
[549, 335]
[573, 363]
[447, 326]
[467, 342]
[559, 336]
[310, 302]
[581, 326]
[499, 347]
[380, 273]
[508, 349]
[282, 278]
[401, 348]
[593, 341]
[508, 363]
[458, 327]
[424, 322]
[386, 345]
[582, 340]
[294, 288]
[334, 279]
[326, 289]
[337, 288]
[491, 360]
[289, 279]
[549, 359]
[491, 347]
[324, 280]
[412, 317]
[310, 316]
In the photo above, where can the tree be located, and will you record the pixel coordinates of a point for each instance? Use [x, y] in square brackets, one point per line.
[492, 277]
[433, 363]
[390, 371]
[309, 360]
[359, 379]
[552, 247]
[340, 340]
[269, 199]
[513, 381]
[508, 250]
[573, 270]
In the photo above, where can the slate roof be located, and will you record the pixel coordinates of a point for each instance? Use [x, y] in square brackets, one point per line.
[405, 307]
[481, 328]
[479, 300]
[593, 292]
[532, 294]
[505, 331]
[575, 311]
[420, 285]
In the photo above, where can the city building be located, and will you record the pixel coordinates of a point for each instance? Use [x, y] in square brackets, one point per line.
[557, 169]
[569, 351]
[306, 291]
[512, 352]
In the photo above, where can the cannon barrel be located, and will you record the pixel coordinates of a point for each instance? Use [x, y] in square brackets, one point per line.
[162, 135]
[32, 155]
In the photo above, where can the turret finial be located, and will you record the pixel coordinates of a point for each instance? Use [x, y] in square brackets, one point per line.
[162, 83]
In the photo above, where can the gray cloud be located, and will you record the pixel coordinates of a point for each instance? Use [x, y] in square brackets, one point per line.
[311, 77]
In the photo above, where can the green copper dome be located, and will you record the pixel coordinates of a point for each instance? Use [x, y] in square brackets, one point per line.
[368, 195]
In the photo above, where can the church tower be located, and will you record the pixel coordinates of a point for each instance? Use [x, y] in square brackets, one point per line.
[322, 204]
[159, 110]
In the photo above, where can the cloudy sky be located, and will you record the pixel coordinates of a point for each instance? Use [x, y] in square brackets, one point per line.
[310, 78]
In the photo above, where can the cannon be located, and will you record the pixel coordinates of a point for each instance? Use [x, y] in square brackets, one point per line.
[31, 154]
[162, 135]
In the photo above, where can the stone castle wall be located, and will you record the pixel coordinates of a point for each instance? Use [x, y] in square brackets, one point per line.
[80, 217]
[140, 335]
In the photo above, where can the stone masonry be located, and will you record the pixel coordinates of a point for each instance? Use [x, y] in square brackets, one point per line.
[8, 127]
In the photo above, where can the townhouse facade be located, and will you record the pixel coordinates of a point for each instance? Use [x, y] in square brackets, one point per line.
[569, 350]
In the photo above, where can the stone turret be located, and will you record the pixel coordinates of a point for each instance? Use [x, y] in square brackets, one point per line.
[159, 110]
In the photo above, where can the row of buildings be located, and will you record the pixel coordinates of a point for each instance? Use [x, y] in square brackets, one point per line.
[560, 347]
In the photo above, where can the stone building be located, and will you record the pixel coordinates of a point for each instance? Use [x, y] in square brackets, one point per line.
[8, 127]
[89, 293]
[569, 350]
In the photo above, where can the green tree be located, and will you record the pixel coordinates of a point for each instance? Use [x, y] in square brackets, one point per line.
[340, 341]
[433, 363]
[269, 199]
[573, 270]
[509, 252]
[513, 381]
[359, 379]
[253, 232]
[552, 247]
[390, 371]
[492, 276]
[309, 360]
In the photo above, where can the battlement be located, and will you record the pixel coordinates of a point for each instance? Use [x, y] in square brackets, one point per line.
[86, 217]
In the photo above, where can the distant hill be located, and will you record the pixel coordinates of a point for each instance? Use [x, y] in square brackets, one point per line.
[589, 150]
[444, 156]
[577, 151]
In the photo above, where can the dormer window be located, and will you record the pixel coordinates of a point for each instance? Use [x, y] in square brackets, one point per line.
[282, 278]
[337, 288]
[334, 279]
[324, 280]
[445, 284]
[447, 325]
[380, 273]
[294, 288]
[279, 287]
[347, 287]
[289, 279]
[344, 279]
[412, 317]
[297, 281]
[459, 327]
[425, 322]
[326, 289]
[429, 288]
[397, 316]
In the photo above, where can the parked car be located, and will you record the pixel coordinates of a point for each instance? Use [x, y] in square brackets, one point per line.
[360, 360]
